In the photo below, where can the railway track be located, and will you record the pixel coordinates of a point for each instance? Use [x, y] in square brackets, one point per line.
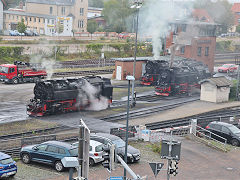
[203, 119]
[143, 112]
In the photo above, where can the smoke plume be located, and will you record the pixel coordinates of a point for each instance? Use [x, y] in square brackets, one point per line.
[90, 93]
[154, 20]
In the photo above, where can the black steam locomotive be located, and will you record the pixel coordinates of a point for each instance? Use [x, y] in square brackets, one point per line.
[177, 79]
[66, 95]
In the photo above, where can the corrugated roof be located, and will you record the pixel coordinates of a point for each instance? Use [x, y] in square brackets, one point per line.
[29, 14]
[218, 81]
[53, 2]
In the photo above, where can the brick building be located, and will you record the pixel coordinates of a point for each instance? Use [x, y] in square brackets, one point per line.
[195, 40]
[236, 11]
[38, 13]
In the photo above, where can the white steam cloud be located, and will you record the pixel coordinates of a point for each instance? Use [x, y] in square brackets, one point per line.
[89, 93]
[44, 63]
[154, 20]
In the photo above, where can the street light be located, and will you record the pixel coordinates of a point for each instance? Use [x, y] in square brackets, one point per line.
[129, 78]
[136, 5]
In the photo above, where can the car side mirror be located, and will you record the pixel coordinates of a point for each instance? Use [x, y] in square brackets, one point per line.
[35, 148]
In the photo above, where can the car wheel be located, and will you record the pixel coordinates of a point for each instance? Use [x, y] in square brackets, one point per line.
[58, 166]
[15, 80]
[91, 162]
[235, 142]
[26, 158]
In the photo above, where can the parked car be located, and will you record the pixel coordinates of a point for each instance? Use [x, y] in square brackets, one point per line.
[226, 68]
[13, 32]
[29, 33]
[95, 152]
[123, 35]
[133, 154]
[50, 152]
[228, 131]
[35, 34]
[8, 166]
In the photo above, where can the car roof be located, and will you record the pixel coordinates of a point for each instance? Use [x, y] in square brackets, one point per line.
[4, 156]
[59, 143]
[221, 123]
[105, 135]
[95, 143]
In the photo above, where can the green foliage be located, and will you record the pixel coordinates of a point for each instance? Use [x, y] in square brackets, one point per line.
[156, 148]
[233, 90]
[92, 27]
[9, 54]
[96, 3]
[116, 13]
[95, 47]
[223, 46]
[21, 27]
[238, 29]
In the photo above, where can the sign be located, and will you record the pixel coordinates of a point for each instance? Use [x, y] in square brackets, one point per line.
[176, 150]
[116, 178]
[156, 167]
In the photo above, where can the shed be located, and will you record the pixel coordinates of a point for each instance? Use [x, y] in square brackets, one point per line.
[124, 67]
[215, 89]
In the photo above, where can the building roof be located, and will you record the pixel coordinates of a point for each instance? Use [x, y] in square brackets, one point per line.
[202, 15]
[29, 14]
[53, 2]
[166, 58]
[94, 8]
[192, 22]
[236, 7]
[218, 81]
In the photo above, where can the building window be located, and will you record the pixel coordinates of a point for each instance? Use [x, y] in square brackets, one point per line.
[199, 52]
[182, 50]
[51, 10]
[35, 19]
[206, 51]
[39, 19]
[30, 19]
[52, 21]
[80, 23]
[63, 10]
[81, 11]
[48, 21]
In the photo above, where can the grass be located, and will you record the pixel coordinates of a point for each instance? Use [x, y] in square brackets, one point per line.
[24, 126]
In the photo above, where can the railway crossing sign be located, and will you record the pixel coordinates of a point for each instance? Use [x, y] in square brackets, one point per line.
[156, 167]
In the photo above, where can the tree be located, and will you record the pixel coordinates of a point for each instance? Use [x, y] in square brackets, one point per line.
[21, 27]
[96, 3]
[220, 11]
[92, 27]
[238, 29]
[117, 13]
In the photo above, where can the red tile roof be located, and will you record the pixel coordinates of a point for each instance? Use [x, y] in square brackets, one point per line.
[202, 15]
[236, 7]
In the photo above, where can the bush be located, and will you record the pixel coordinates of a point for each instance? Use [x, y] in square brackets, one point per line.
[157, 148]
[233, 90]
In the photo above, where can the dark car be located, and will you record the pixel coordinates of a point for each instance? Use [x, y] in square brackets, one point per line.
[228, 131]
[50, 152]
[133, 154]
[8, 166]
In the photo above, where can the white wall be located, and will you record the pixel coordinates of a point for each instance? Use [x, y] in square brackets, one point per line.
[208, 92]
[1, 15]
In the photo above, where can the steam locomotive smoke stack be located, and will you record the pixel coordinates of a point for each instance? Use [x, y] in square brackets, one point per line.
[97, 103]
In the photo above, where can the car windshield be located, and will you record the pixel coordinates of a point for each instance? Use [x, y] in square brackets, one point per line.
[3, 69]
[99, 148]
[6, 161]
[234, 129]
[226, 65]
[119, 143]
[74, 152]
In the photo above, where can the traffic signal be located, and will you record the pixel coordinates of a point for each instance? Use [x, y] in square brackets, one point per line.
[108, 158]
[173, 167]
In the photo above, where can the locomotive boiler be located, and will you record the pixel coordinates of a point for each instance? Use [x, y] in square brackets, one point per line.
[66, 95]
[180, 78]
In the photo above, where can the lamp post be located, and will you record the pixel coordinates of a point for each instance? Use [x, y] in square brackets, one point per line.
[136, 5]
[129, 78]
